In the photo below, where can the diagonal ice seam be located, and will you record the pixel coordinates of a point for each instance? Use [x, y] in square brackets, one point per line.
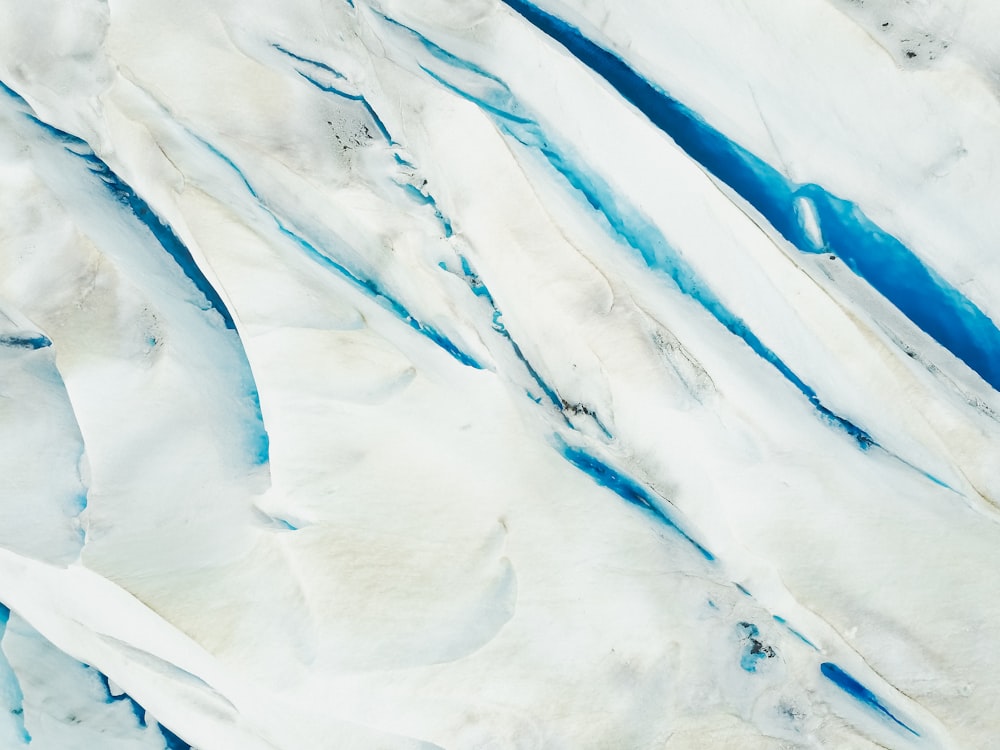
[627, 489]
[337, 90]
[479, 289]
[367, 285]
[547, 392]
[859, 692]
[811, 218]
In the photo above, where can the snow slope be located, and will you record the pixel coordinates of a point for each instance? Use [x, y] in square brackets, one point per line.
[499, 374]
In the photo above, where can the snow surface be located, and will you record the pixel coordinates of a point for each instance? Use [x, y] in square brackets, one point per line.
[496, 374]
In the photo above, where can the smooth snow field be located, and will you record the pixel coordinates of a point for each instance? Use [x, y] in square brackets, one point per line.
[499, 374]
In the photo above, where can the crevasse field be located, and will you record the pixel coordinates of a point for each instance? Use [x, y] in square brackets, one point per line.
[486, 374]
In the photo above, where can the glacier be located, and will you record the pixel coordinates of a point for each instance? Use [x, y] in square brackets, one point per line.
[499, 374]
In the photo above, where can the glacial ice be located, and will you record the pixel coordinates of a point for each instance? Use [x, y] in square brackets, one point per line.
[499, 374]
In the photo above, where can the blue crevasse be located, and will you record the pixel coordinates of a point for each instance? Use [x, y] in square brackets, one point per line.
[426, 199]
[626, 488]
[168, 240]
[875, 255]
[859, 692]
[309, 61]
[125, 195]
[173, 742]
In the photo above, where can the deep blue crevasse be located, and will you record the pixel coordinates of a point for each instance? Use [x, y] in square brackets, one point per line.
[859, 692]
[872, 253]
[625, 487]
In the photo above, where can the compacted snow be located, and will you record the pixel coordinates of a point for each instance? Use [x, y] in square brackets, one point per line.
[499, 374]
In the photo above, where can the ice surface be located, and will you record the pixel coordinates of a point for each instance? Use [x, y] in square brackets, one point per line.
[499, 374]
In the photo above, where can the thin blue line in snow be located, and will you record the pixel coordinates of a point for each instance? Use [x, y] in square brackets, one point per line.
[793, 631]
[480, 289]
[427, 200]
[859, 692]
[330, 89]
[354, 98]
[482, 103]
[440, 52]
[879, 258]
[316, 63]
[378, 121]
[381, 296]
